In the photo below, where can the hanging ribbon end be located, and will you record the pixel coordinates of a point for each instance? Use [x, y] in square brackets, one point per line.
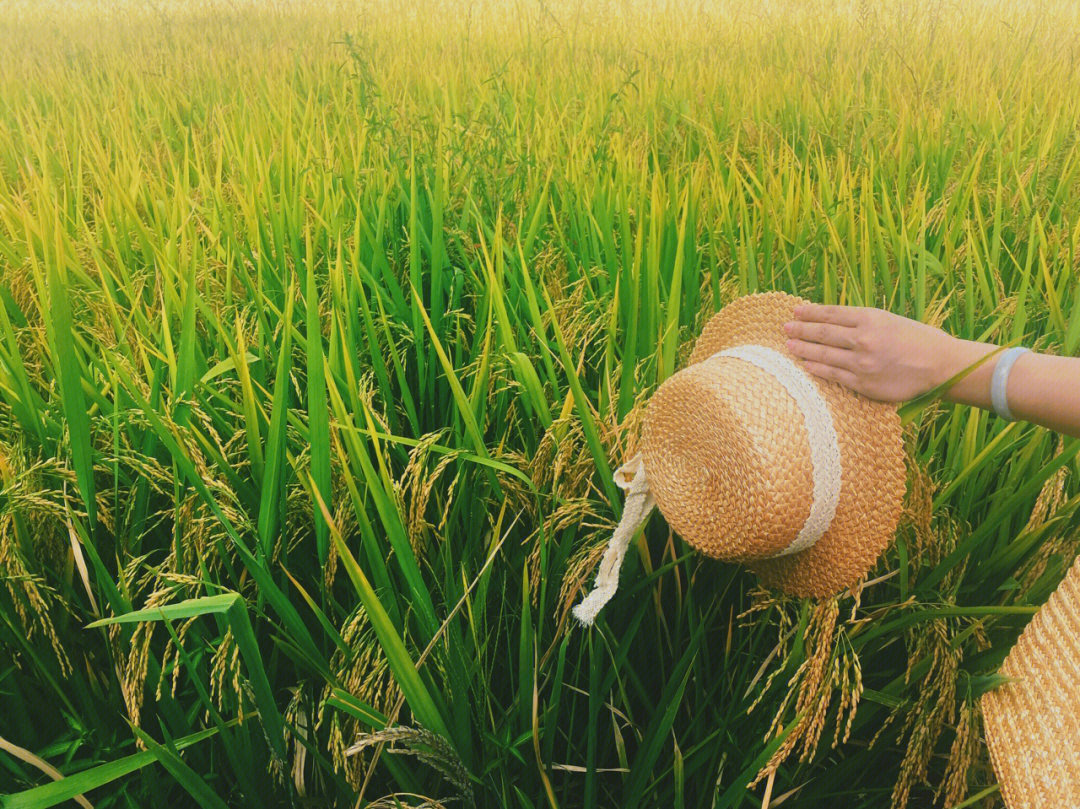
[584, 616]
[590, 606]
[638, 505]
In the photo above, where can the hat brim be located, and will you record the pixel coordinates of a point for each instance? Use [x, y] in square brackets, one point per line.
[873, 476]
[1033, 721]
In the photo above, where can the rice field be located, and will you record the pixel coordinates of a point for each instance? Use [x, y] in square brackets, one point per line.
[322, 327]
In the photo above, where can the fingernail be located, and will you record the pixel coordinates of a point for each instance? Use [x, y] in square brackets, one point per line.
[790, 344]
[788, 327]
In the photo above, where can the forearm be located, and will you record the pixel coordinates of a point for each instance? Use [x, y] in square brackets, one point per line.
[1043, 389]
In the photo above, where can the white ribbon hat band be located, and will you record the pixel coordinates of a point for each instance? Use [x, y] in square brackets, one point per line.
[824, 457]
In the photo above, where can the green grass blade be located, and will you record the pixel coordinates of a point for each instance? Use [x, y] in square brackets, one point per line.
[184, 775]
[88, 780]
[318, 411]
[69, 375]
[397, 655]
[273, 481]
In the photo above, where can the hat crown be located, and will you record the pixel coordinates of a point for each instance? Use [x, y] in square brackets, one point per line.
[730, 459]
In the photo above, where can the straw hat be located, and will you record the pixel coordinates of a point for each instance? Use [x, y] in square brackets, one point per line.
[752, 459]
[1033, 721]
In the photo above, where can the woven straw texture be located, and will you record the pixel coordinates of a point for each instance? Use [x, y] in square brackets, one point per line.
[1033, 721]
[728, 459]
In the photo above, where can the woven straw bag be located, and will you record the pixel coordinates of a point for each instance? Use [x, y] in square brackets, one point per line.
[751, 459]
[1033, 721]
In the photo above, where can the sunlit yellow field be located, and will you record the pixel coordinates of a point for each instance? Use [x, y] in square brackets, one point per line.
[322, 327]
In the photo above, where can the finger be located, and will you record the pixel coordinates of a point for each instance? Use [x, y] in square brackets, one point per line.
[826, 355]
[831, 372]
[825, 333]
[821, 313]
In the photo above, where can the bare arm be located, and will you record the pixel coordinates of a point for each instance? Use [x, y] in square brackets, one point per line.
[892, 358]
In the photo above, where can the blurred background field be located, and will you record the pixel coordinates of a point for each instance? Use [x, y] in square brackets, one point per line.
[323, 325]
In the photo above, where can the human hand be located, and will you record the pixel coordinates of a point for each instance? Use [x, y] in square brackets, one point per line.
[876, 353]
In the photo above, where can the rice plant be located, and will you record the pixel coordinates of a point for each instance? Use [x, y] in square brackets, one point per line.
[322, 327]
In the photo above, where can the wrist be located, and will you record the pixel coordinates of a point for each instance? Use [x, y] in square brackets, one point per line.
[959, 354]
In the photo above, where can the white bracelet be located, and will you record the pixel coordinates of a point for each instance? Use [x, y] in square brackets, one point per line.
[999, 383]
